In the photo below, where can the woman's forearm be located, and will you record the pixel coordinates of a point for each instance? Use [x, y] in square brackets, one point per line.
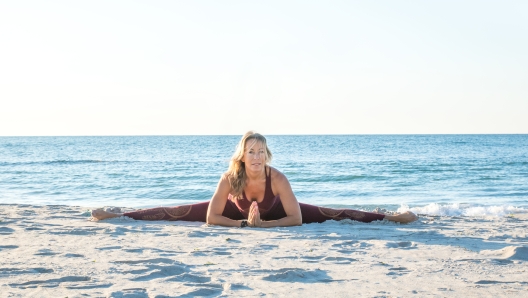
[287, 221]
[221, 220]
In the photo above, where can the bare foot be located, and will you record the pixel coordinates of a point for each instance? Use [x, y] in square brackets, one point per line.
[100, 214]
[405, 217]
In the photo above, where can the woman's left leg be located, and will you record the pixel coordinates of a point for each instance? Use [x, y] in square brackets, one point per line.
[311, 214]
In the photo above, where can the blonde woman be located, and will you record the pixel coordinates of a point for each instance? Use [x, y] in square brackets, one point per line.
[253, 194]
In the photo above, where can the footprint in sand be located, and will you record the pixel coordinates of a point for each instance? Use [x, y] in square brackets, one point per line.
[348, 246]
[74, 255]
[147, 261]
[515, 253]
[295, 275]
[508, 254]
[237, 287]
[49, 283]
[76, 231]
[311, 259]
[491, 282]
[136, 293]
[17, 271]
[221, 253]
[2, 247]
[87, 286]
[158, 272]
[264, 247]
[109, 247]
[5, 221]
[160, 252]
[45, 252]
[345, 243]
[286, 258]
[198, 234]
[34, 229]
[151, 268]
[26, 213]
[190, 278]
[402, 245]
[339, 260]
[155, 268]
[204, 292]
[6, 231]
[135, 250]
[399, 271]
[199, 253]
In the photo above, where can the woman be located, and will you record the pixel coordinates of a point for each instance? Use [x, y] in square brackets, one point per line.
[251, 193]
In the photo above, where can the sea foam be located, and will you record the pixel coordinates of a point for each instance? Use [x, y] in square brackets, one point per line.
[458, 209]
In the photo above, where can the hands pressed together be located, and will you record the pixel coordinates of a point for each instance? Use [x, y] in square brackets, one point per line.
[254, 216]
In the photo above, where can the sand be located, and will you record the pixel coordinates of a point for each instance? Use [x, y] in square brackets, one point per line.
[56, 251]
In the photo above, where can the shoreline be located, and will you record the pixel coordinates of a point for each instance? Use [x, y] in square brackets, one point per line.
[57, 251]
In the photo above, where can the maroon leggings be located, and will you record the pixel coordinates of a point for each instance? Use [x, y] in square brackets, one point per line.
[198, 212]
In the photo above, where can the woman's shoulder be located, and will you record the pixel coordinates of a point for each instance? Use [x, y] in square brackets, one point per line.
[225, 179]
[279, 183]
[277, 176]
[225, 176]
[225, 182]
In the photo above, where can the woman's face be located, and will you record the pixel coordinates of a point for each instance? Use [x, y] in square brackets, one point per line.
[254, 155]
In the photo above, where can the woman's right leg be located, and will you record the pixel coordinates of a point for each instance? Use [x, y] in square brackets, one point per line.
[192, 212]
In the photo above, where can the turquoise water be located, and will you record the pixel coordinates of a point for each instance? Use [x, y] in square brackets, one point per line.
[427, 173]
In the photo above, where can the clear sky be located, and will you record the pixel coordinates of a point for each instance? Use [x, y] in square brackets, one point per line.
[278, 67]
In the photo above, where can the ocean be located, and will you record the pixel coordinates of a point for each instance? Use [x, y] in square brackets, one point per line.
[452, 175]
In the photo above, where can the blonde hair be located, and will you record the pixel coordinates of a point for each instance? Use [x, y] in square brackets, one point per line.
[236, 173]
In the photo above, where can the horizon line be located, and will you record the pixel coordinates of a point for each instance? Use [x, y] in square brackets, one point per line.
[271, 134]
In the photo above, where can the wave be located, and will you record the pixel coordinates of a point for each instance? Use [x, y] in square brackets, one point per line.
[54, 162]
[336, 178]
[458, 209]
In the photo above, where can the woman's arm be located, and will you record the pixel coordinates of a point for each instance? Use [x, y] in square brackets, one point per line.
[217, 205]
[282, 187]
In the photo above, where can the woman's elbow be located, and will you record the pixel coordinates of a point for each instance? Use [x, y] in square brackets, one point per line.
[210, 219]
[298, 221]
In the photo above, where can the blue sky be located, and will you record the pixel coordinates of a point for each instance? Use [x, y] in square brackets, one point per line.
[279, 67]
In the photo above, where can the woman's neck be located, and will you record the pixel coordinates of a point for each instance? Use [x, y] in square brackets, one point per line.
[256, 175]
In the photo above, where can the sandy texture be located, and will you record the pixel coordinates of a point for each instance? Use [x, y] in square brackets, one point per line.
[56, 251]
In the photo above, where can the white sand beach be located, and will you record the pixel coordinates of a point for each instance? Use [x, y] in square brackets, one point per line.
[56, 251]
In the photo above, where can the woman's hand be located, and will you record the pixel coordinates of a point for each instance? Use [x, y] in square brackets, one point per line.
[254, 216]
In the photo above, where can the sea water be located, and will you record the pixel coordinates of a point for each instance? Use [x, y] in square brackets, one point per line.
[470, 175]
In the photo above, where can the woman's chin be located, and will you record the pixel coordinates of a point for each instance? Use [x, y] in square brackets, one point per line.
[256, 167]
